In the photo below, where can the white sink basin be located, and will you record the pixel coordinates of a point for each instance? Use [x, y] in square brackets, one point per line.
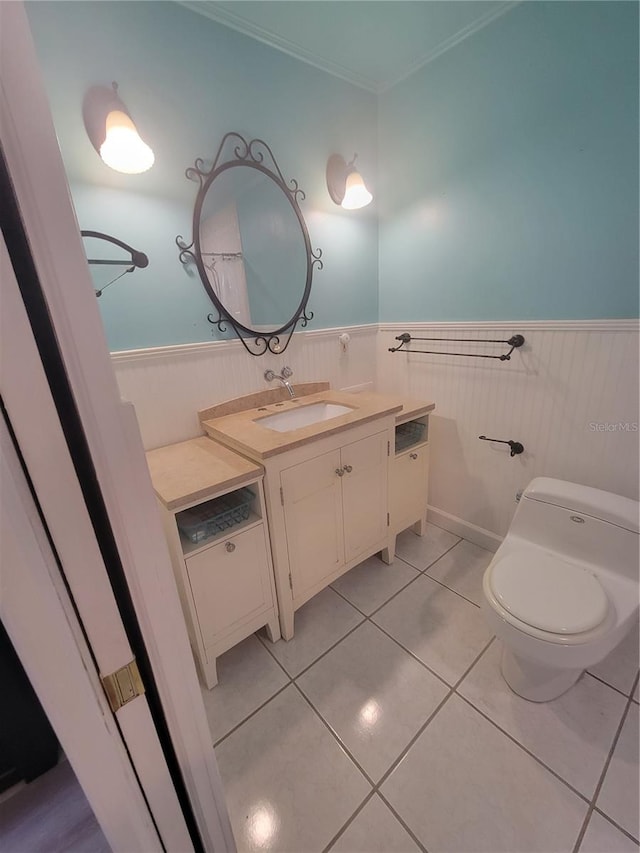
[304, 416]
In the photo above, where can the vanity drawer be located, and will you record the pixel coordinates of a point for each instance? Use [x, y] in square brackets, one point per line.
[230, 583]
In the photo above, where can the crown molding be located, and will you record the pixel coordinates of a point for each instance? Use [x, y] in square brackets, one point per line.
[472, 28]
[236, 22]
[210, 9]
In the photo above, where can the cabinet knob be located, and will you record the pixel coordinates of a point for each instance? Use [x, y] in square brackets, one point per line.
[413, 455]
[230, 547]
[348, 468]
[340, 472]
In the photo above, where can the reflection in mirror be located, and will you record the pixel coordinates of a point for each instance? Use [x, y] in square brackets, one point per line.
[252, 248]
[251, 245]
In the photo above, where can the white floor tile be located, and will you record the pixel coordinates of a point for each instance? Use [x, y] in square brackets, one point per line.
[375, 830]
[372, 583]
[572, 735]
[319, 624]
[288, 785]
[440, 628]
[603, 837]
[462, 568]
[620, 667]
[464, 787]
[247, 677]
[619, 796]
[373, 695]
[421, 551]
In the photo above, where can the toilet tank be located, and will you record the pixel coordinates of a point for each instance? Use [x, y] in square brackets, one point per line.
[582, 523]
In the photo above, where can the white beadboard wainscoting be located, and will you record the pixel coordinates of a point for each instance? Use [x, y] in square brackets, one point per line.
[168, 385]
[570, 395]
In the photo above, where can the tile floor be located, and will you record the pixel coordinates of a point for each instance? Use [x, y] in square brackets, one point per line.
[385, 726]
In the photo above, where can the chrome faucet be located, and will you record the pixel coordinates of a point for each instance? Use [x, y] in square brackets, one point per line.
[270, 375]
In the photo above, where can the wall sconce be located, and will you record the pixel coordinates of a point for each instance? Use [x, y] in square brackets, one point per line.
[345, 183]
[113, 133]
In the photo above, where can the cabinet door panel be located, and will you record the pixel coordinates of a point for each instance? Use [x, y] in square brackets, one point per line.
[364, 493]
[230, 585]
[313, 515]
[408, 487]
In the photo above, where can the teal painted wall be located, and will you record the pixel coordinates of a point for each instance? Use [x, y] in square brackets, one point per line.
[508, 182]
[188, 81]
[505, 172]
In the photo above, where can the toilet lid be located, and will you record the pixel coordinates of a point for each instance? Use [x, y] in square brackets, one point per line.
[548, 593]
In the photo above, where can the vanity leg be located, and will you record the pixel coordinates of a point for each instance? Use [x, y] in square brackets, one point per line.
[387, 554]
[420, 526]
[273, 629]
[286, 623]
[210, 673]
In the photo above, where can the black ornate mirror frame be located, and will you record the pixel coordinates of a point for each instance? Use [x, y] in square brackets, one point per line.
[251, 154]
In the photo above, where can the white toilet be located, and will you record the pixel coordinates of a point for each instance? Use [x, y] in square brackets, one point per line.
[562, 589]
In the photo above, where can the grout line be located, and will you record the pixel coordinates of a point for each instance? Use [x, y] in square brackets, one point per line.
[330, 649]
[431, 716]
[348, 823]
[252, 714]
[336, 736]
[375, 789]
[592, 802]
[455, 591]
[384, 604]
[613, 823]
[406, 826]
[583, 797]
[268, 649]
[433, 562]
[425, 571]
[413, 655]
[266, 644]
[375, 785]
[617, 689]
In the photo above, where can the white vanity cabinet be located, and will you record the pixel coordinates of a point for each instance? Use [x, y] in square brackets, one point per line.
[225, 581]
[328, 510]
[335, 511]
[336, 492]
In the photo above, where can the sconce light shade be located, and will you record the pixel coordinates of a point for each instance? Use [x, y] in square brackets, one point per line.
[113, 133]
[345, 184]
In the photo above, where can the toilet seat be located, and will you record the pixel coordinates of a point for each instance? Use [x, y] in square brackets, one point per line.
[547, 593]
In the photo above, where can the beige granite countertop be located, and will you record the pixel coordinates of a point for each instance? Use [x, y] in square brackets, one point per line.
[242, 431]
[411, 408]
[184, 472]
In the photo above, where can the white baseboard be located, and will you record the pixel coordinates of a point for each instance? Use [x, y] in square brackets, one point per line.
[477, 535]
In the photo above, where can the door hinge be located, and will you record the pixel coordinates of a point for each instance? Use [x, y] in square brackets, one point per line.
[388, 448]
[123, 685]
[290, 582]
[387, 519]
[281, 496]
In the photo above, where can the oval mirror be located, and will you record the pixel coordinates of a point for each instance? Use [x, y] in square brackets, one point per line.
[251, 246]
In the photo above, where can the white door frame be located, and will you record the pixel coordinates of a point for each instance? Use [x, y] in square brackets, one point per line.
[33, 417]
[40, 622]
[110, 430]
